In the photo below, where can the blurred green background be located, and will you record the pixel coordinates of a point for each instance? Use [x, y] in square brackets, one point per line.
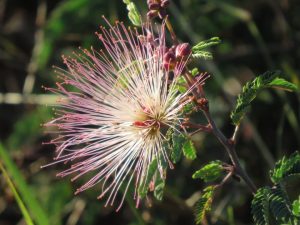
[258, 35]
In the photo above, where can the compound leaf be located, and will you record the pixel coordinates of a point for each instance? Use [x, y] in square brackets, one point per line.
[260, 206]
[203, 205]
[189, 150]
[280, 205]
[209, 172]
[251, 89]
[287, 167]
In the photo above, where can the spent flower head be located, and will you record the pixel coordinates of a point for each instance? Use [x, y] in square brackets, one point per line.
[116, 107]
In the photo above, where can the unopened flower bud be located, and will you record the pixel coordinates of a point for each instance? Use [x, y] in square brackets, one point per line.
[152, 14]
[183, 50]
[165, 3]
[169, 60]
[203, 104]
[153, 6]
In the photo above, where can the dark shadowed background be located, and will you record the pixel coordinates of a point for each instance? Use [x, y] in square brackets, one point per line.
[257, 35]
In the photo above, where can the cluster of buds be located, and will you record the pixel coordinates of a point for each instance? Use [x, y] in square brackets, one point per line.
[157, 8]
[176, 54]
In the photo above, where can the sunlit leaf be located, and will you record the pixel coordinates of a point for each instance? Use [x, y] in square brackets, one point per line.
[287, 167]
[189, 150]
[251, 89]
[203, 205]
[210, 172]
[260, 207]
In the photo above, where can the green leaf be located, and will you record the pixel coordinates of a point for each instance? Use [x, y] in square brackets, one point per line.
[177, 144]
[260, 206]
[181, 85]
[251, 89]
[21, 205]
[189, 150]
[133, 14]
[194, 71]
[143, 188]
[159, 188]
[198, 50]
[25, 191]
[280, 205]
[209, 172]
[296, 207]
[206, 43]
[202, 55]
[282, 84]
[203, 205]
[286, 168]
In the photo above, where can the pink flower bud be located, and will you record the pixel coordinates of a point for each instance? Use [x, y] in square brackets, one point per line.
[152, 14]
[165, 3]
[153, 6]
[183, 50]
[169, 60]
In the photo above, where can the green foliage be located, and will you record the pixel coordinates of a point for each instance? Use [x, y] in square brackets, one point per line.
[250, 90]
[25, 191]
[203, 205]
[282, 84]
[275, 200]
[154, 175]
[207, 43]
[209, 172]
[21, 205]
[159, 188]
[280, 205]
[181, 85]
[198, 50]
[194, 71]
[143, 188]
[177, 145]
[133, 14]
[189, 150]
[260, 206]
[286, 168]
[202, 55]
[296, 207]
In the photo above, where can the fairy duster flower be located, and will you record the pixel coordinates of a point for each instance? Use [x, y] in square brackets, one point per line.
[115, 108]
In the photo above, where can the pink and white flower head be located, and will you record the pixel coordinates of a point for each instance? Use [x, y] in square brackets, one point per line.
[116, 106]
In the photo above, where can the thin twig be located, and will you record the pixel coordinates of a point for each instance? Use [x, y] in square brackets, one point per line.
[171, 30]
[231, 152]
[36, 99]
[235, 133]
[225, 179]
[230, 148]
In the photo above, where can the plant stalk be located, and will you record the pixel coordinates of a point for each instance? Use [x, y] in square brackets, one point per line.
[229, 146]
[231, 152]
